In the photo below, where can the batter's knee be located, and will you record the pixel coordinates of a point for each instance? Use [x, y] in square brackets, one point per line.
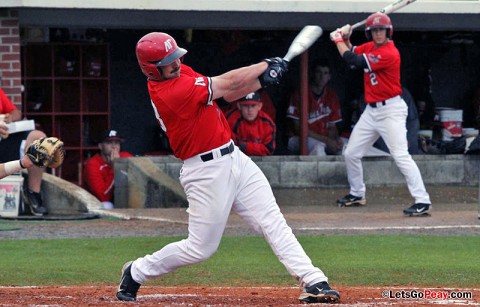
[201, 252]
[351, 155]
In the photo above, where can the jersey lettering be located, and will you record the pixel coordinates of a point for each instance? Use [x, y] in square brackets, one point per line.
[373, 78]
[200, 81]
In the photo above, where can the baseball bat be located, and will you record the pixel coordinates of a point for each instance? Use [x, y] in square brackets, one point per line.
[304, 39]
[392, 7]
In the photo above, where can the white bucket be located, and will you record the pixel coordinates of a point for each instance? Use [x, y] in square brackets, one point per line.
[10, 195]
[451, 120]
[470, 132]
[425, 133]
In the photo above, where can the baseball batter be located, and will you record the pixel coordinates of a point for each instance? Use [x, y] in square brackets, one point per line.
[385, 114]
[216, 176]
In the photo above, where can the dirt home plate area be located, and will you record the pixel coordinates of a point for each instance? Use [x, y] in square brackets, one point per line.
[235, 296]
[312, 211]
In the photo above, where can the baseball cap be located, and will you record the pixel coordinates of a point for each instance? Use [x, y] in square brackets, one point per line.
[109, 135]
[252, 98]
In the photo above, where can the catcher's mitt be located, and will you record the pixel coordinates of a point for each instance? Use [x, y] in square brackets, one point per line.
[46, 152]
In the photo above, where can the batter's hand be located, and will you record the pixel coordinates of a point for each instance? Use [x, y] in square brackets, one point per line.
[277, 67]
[346, 31]
[336, 36]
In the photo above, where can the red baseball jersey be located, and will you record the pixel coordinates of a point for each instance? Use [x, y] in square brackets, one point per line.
[382, 79]
[255, 138]
[186, 112]
[6, 105]
[321, 111]
[98, 176]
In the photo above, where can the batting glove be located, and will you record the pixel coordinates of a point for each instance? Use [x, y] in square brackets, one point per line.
[336, 36]
[346, 31]
[277, 67]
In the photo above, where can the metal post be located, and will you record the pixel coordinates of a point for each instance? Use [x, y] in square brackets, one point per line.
[304, 103]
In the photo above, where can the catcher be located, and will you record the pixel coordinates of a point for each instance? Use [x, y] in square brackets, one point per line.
[44, 152]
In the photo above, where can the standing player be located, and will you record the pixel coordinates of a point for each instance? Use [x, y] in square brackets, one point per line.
[385, 114]
[216, 175]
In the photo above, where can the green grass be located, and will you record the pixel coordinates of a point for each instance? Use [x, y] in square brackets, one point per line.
[372, 260]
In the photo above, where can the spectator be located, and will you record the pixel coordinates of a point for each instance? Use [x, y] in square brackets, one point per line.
[98, 172]
[421, 90]
[13, 148]
[267, 105]
[323, 114]
[253, 130]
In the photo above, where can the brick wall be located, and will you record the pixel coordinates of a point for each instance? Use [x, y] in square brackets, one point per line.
[10, 70]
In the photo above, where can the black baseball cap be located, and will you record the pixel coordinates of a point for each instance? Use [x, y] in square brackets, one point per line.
[109, 135]
[252, 98]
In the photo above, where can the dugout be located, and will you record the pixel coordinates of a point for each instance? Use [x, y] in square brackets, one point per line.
[440, 36]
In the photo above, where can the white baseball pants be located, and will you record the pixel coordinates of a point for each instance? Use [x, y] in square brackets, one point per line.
[213, 188]
[389, 122]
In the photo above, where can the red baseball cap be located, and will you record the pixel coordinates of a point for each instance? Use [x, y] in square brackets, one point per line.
[252, 98]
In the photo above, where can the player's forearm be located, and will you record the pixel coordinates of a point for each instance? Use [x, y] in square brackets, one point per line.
[319, 137]
[12, 167]
[243, 80]
[342, 47]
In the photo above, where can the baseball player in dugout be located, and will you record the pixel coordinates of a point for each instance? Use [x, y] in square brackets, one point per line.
[99, 173]
[385, 114]
[216, 175]
[253, 131]
[323, 114]
[11, 147]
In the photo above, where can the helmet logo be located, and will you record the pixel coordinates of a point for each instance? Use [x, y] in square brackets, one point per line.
[168, 45]
[377, 19]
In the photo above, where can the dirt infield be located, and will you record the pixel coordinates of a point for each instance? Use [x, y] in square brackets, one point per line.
[235, 296]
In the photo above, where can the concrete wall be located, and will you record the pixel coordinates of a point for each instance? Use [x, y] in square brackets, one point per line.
[330, 171]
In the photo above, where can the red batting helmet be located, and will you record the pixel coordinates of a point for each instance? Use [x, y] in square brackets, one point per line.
[378, 21]
[157, 49]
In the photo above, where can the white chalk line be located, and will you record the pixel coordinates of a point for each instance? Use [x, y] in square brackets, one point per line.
[393, 227]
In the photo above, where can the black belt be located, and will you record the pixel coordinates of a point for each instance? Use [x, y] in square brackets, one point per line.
[374, 104]
[223, 151]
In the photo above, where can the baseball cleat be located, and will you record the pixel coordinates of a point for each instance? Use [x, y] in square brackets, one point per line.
[418, 209]
[319, 293]
[35, 203]
[351, 201]
[128, 288]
